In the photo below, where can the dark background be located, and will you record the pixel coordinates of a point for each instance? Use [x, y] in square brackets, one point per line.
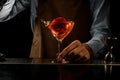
[115, 27]
[114, 17]
[16, 35]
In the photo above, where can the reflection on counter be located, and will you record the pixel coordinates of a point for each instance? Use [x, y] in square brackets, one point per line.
[43, 69]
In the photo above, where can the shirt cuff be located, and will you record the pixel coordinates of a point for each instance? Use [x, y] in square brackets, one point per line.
[96, 43]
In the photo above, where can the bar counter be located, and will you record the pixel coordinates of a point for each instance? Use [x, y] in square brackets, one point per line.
[43, 69]
[30, 61]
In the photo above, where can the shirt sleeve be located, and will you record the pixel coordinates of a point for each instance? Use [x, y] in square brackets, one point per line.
[7, 7]
[11, 8]
[100, 26]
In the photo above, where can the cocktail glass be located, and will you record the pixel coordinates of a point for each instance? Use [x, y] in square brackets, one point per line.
[60, 28]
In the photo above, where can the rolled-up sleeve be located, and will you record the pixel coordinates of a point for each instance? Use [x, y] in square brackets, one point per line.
[100, 26]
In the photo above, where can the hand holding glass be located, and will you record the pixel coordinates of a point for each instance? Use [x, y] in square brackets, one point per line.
[60, 28]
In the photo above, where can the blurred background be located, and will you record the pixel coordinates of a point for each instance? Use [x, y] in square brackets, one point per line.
[115, 27]
[16, 35]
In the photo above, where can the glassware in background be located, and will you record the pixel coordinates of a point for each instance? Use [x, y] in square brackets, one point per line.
[111, 42]
[109, 57]
[2, 57]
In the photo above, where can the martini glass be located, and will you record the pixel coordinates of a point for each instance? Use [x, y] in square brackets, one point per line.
[60, 28]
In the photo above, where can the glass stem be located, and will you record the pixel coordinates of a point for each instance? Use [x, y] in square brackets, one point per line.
[59, 43]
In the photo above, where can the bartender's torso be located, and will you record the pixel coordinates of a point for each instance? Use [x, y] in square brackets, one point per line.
[76, 10]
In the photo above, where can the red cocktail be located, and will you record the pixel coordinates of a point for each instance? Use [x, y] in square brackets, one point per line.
[60, 28]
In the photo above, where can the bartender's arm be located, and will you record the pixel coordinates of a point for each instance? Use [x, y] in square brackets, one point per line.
[10, 8]
[94, 48]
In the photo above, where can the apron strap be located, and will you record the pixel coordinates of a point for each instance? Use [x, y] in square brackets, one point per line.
[36, 44]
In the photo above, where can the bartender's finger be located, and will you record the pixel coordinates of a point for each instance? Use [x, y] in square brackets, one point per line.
[69, 48]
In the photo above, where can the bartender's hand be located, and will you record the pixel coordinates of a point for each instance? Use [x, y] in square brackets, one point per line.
[75, 52]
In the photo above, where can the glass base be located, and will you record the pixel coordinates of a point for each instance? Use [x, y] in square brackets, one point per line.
[63, 61]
